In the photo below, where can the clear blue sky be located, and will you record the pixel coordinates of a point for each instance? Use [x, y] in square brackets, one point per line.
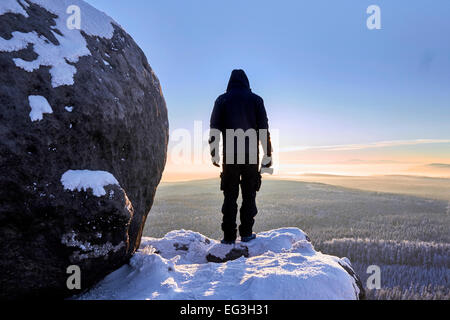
[326, 79]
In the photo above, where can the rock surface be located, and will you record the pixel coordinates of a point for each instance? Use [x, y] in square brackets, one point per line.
[222, 253]
[82, 100]
[281, 264]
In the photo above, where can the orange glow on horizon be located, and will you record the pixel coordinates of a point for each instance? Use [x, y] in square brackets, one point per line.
[291, 165]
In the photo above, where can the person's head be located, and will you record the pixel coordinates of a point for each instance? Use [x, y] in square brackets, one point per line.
[238, 79]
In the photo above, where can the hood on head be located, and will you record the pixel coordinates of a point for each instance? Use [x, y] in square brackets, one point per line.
[238, 79]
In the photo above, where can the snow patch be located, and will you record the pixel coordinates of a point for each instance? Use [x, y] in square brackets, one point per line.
[72, 44]
[68, 108]
[18, 41]
[282, 265]
[82, 180]
[93, 21]
[39, 105]
[12, 6]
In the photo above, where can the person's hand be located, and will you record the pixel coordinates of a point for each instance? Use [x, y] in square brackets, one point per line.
[266, 162]
[215, 162]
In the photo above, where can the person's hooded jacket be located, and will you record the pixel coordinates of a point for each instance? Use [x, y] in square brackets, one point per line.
[240, 108]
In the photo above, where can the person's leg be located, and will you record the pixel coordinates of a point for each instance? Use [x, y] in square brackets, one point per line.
[230, 186]
[248, 211]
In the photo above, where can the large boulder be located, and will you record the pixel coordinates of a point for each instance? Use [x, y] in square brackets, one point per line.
[83, 142]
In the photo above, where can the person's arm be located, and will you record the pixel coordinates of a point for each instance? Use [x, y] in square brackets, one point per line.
[264, 134]
[214, 132]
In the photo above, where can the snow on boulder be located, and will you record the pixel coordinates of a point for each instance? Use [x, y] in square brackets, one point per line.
[82, 180]
[281, 264]
[39, 105]
[67, 45]
[100, 114]
[13, 6]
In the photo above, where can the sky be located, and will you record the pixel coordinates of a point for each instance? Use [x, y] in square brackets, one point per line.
[338, 93]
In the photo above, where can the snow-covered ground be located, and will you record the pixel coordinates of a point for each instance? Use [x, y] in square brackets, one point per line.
[282, 264]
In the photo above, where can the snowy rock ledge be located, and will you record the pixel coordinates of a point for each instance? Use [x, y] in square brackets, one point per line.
[281, 264]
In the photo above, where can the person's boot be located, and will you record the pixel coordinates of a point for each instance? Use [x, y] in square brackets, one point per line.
[223, 241]
[248, 238]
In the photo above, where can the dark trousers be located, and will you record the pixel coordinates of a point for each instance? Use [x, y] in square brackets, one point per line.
[249, 178]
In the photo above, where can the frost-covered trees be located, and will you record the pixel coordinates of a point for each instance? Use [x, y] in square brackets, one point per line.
[409, 269]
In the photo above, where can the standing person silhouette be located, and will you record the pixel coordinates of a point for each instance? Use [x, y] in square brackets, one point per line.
[239, 116]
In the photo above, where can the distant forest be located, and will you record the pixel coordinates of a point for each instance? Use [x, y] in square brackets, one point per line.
[409, 270]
